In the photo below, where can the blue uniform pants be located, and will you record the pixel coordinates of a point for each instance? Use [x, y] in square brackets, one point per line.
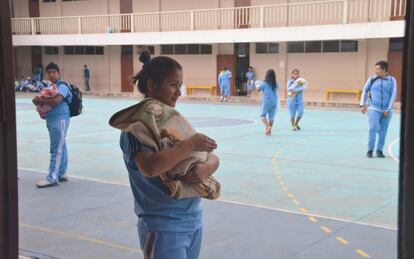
[167, 245]
[58, 150]
[269, 110]
[378, 125]
[225, 90]
[295, 108]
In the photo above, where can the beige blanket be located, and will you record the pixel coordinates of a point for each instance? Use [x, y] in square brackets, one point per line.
[160, 126]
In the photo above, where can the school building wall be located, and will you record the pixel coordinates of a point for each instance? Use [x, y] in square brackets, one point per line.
[322, 70]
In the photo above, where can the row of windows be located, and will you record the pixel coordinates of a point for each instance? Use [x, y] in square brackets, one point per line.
[323, 46]
[184, 49]
[83, 50]
[310, 47]
[91, 50]
[53, 1]
[194, 49]
[263, 48]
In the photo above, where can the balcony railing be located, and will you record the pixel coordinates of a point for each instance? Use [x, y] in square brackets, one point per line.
[280, 15]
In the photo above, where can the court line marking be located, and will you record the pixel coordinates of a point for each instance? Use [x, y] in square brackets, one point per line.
[391, 153]
[311, 218]
[70, 137]
[308, 162]
[80, 237]
[235, 203]
[342, 240]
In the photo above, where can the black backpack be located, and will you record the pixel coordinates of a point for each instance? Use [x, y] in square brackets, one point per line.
[75, 107]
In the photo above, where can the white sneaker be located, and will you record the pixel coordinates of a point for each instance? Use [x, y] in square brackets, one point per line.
[46, 183]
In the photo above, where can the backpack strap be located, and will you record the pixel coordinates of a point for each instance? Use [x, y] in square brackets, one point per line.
[70, 90]
[373, 79]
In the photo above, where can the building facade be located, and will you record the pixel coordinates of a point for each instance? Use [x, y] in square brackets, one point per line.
[334, 43]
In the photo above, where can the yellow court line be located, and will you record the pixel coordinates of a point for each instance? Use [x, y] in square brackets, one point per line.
[362, 253]
[285, 189]
[326, 229]
[81, 237]
[342, 240]
[282, 183]
[303, 210]
[296, 202]
[290, 195]
[313, 219]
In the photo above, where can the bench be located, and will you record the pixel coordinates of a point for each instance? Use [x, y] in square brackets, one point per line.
[328, 92]
[212, 89]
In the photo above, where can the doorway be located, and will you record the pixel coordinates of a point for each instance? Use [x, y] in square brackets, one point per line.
[242, 58]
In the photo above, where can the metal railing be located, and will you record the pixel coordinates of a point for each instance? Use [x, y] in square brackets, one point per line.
[280, 15]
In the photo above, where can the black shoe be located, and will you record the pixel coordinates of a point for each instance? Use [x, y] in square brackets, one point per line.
[380, 154]
[297, 126]
[369, 153]
[63, 179]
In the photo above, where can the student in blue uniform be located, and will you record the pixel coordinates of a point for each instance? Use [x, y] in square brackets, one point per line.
[270, 99]
[295, 100]
[57, 122]
[250, 76]
[380, 91]
[167, 227]
[224, 81]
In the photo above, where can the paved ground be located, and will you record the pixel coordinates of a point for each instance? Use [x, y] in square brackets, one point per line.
[308, 194]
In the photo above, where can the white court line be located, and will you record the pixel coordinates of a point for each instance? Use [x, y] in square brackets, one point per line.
[237, 203]
[71, 137]
[391, 153]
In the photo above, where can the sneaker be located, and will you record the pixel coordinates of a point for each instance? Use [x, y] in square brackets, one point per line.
[63, 179]
[297, 127]
[222, 99]
[369, 153]
[380, 154]
[294, 128]
[46, 183]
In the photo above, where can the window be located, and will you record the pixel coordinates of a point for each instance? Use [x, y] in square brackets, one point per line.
[349, 46]
[180, 49]
[296, 47]
[206, 49]
[273, 48]
[51, 50]
[69, 50]
[83, 50]
[167, 49]
[89, 50]
[184, 49]
[79, 50]
[99, 50]
[263, 48]
[323, 46]
[396, 44]
[313, 46]
[49, 1]
[193, 49]
[331, 46]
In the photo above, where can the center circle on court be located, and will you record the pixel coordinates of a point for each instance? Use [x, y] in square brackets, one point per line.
[218, 122]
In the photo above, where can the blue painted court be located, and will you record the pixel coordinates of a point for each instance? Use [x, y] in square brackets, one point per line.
[306, 194]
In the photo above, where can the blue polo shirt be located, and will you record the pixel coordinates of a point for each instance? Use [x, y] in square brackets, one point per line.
[269, 96]
[152, 204]
[61, 111]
